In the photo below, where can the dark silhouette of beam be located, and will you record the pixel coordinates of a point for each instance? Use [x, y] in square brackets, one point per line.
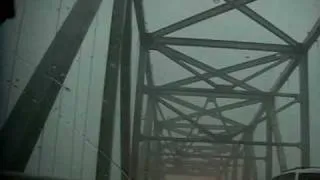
[24, 125]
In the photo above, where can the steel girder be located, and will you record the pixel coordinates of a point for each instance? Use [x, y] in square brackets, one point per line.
[179, 130]
[42, 89]
[118, 56]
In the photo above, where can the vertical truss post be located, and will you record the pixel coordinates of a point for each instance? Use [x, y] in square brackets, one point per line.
[304, 111]
[226, 169]
[269, 130]
[21, 131]
[144, 167]
[117, 51]
[248, 154]
[277, 137]
[157, 164]
[143, 57]
[125, 94]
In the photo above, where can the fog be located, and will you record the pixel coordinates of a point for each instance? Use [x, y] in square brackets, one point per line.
[68, 144]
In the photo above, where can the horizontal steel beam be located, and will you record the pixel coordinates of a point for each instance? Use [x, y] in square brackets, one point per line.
[225, 44]
[185, 133]
[204, 92]
[212, 156]
[199, 17]
[220, 141]
[230, 69]
[169, 125]
[210, 147]
[313, 35]
[184, 172]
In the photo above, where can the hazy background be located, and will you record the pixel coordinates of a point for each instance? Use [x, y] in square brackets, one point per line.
[67, 146]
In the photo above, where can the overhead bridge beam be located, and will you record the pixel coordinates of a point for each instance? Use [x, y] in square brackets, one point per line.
[169, 125]
[211, 156]
[220, 141]
[226, 44]
[200, 17]
[185, 91]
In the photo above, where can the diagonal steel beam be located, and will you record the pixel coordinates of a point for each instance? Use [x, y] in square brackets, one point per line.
[24, 125]
[171, 52]
[275, 88]
[139, 10]
[265, 69]
[230, 69]
[313, 35]
[198, 108]
[252, 125]
[198, 42]
[199, 17]
[264, 23]
[201, 128]
[191, 70]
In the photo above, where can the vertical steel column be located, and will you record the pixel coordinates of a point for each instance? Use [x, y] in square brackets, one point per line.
[269, 130]
[157, 164]
[145, 145]
[226, 169]
[137, 113]
[304, 110]
[235, 153]
[277, 137]
[115, 54]
[125, 93]
[248, 161]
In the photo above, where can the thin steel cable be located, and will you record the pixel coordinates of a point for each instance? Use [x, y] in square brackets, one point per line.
[89, 142]
[75, 105]
[59, 98]
[88, 96]
[13, 67]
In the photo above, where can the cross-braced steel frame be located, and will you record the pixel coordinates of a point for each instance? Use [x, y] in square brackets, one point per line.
[163, 145]
[223, 151]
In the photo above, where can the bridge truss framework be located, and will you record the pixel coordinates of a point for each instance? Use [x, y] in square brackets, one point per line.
[216, 150]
